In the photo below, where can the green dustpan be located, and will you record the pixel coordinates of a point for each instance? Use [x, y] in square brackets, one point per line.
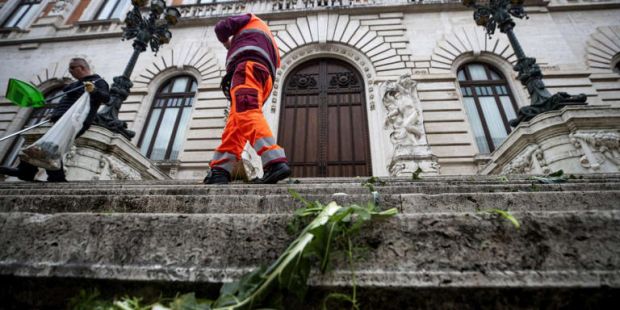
[24, 95]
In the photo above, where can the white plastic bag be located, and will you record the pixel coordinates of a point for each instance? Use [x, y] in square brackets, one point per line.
[48, 151]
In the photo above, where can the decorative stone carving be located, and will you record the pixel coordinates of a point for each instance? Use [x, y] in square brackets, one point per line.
[404, 115]
[598, 147]
[61, 7]
[404, 120]
[119, 170]
[407, 165]
[530, 161]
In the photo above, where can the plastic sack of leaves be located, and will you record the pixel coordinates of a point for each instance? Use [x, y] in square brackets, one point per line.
[47, 152]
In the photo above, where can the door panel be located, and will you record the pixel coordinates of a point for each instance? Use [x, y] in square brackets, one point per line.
[323, 121]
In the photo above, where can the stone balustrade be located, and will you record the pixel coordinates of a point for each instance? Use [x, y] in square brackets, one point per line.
[274, 6]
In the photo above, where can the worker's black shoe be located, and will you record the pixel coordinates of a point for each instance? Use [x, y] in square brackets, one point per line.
[275, 173]
[14, 172]
[217, 176]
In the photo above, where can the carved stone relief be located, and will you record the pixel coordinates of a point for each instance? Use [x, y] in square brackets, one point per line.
[119, 170]
[405, 124]
[599, 148]
[530, 161]
[88, 164]
[404, 115]
[61, 7]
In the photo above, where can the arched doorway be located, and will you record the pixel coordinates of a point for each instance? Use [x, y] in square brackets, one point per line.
[323, 123]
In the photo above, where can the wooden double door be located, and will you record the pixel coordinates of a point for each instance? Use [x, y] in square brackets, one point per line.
[323, 122]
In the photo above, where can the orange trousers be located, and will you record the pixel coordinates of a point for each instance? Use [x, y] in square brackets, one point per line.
[250, 87]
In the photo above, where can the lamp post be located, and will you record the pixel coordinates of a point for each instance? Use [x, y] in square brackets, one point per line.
[492, 14]
[147, 30]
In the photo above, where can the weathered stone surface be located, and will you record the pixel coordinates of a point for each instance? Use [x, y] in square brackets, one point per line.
[187, 235]
[468, 249]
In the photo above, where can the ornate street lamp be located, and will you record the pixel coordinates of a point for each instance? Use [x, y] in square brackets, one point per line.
[497, 13]
[151, 30]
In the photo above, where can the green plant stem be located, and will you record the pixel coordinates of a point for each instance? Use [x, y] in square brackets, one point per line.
[292, 251]
[353, 280]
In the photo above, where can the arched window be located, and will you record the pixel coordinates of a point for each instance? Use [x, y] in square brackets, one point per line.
[167, 121]
[36, 117]
[488, 102]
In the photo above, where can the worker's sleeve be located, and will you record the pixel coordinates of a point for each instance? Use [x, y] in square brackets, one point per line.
[101, 94]
[226, 28]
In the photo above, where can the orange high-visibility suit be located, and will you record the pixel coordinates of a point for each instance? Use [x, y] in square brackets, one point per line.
[252, 60]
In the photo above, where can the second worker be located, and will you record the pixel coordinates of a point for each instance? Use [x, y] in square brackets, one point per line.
[251, 63]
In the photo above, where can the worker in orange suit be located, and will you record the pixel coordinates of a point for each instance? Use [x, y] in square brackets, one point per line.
[251, 64]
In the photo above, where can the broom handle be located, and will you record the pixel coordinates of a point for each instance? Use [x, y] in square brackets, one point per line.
[24, 130]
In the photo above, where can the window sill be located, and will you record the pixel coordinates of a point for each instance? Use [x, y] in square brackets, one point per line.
[166, 163]
[12, 32]
[88, 23]
[12, 29]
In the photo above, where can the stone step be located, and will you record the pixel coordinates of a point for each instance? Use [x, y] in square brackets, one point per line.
[320, 182]
[455, 249]
[286, 204]
[308, 189]
[179, 232]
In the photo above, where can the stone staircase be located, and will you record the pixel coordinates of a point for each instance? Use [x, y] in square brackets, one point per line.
[439, 252]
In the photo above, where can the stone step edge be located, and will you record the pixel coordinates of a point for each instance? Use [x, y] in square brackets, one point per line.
[241, 184]
[339, 278]
[338, 194]
[387, 180]
[41, 216]
[217, 190]
[254, 204]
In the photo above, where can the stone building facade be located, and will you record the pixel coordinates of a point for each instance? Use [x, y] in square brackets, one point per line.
[366, 87]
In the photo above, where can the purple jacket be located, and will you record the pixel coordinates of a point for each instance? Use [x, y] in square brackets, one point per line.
[229, 27]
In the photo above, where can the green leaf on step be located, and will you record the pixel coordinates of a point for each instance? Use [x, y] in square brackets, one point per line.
[505, 215]
[556, 174]
[371, 182]
[385, 214]
[416, 174]
[553, 178]
[296, 196]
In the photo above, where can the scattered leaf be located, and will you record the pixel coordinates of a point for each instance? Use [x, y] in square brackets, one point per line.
[553, 178]
[416, 174]
[505, 215]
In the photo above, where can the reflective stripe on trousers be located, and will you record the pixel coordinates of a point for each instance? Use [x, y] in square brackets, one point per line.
[224, 161]
[268, 150]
